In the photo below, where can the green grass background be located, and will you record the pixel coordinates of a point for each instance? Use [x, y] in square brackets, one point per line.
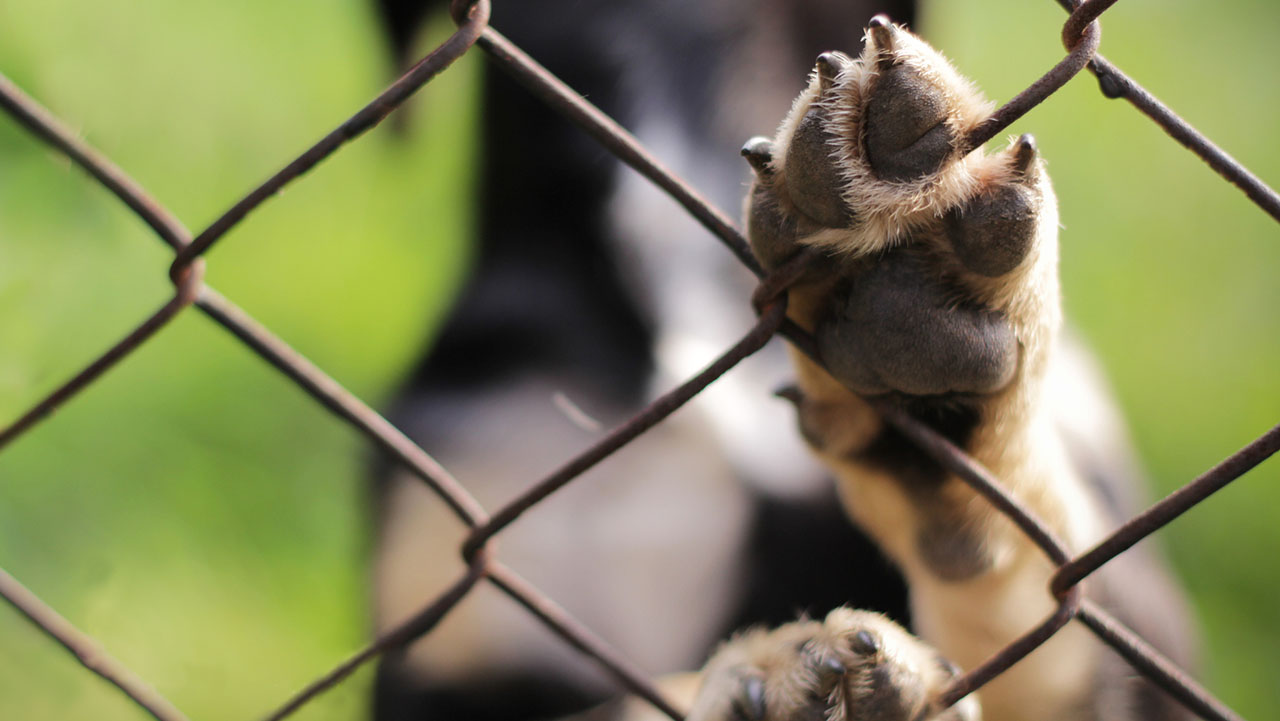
[204, 519]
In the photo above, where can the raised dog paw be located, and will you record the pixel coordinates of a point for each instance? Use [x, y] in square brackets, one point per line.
[874, 146]
[937, 288]
[852, 666]
[934, 295]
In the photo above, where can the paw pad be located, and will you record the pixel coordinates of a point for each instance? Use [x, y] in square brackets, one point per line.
[991, 232]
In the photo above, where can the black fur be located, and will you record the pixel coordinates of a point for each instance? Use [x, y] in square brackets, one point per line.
[496, 698]
[546, 294]
[784, 582]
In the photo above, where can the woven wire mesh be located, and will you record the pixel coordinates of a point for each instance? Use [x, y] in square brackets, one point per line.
[1080, 36]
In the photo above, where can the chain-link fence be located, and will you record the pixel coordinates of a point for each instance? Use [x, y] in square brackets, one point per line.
[1080, 36]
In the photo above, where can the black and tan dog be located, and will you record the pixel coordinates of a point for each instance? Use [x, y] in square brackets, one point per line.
[939, 293]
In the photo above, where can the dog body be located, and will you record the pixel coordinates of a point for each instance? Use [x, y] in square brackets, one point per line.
[936, 295]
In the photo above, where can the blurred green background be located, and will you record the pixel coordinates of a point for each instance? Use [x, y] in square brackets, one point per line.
[204, 519]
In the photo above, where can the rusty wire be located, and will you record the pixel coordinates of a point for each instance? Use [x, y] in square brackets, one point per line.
[86, 650]
[418, 624]
[1080, 34]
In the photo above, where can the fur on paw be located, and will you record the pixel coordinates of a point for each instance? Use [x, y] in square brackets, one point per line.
[852, 666]
[872, 147]
[941, 269]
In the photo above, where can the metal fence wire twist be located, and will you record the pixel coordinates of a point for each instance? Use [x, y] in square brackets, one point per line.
[1080, 34]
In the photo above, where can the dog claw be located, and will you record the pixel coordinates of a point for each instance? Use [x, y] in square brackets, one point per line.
[1024, 154]
[828, 67]
[751, 704]
[759, 153]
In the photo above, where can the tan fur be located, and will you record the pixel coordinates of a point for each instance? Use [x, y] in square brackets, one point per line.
[970, 620]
